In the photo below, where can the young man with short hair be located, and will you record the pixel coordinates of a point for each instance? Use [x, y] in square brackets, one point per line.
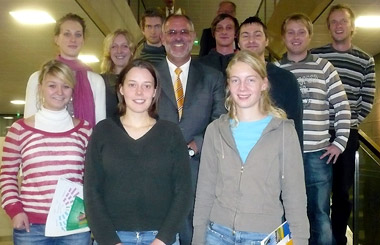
[224, 28]
[151, 49]
[285, 92]
[208, 41]
[357, 71]
[320, 87]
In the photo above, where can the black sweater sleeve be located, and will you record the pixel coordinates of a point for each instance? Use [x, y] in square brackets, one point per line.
[96, 211]
[181, 202]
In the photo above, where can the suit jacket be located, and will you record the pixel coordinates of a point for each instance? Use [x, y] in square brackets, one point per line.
[204, 100]
[207, 42]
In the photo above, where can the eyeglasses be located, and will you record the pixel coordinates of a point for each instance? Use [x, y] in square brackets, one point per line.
[183, 32]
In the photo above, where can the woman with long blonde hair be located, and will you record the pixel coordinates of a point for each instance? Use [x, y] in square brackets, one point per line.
[251, 172]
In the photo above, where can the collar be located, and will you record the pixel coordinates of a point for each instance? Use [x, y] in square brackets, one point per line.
[185, 67]
[285, 60]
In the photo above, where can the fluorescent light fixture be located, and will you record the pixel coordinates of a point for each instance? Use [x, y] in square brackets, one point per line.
[88, 58]
[32, 17]
[368, 21]
[8, 118]
[18, 102]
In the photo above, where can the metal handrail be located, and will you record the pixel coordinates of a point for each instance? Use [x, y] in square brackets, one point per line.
[373, 148]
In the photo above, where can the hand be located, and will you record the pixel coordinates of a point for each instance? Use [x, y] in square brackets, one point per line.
[193, 146]
[333, 152]
[157, 242]
[81, 217]
[21, 222]
[119, 243]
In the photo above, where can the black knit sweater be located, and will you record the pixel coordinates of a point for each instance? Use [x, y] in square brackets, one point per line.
[136, 185]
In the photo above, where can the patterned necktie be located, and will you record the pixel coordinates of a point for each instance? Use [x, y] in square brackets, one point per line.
[178, 91]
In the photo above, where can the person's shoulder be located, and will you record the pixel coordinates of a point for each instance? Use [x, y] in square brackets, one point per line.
[277, 123]
[217, 123]
[321, 49]
[276, 73]
[274, 69]
[22, 123]
[166, 128]
[105, 124]
[166, 124]
[356, 51]
[319, 61]
[94, 77]
[207, 31]
[35, 75]
[33, 78]
[205, 69]
[160, 66]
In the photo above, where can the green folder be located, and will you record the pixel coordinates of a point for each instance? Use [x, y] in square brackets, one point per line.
[77, 210]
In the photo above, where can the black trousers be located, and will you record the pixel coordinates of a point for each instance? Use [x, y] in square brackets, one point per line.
[343, 180]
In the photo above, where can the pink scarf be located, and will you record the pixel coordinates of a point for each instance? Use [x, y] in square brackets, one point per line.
[83, 99]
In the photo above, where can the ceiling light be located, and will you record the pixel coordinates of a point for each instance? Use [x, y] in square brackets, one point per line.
[31, 17]
[8, 118]
[368, 21]
[18, 102]
[88, 58]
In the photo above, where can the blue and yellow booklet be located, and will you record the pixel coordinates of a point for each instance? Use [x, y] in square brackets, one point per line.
[280, 236]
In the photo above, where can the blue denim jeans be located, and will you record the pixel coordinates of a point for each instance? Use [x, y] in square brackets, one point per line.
[219, 234]
[37, 236]
[318, 178]
[139, 237]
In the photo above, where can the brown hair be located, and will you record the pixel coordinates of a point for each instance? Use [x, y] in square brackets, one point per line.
[304, 19]
[251, 20]
[152, 110]
[72, 17]
[221, 17]
[153, 12]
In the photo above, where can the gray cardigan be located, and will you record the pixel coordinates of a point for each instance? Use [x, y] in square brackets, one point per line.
[255, 196]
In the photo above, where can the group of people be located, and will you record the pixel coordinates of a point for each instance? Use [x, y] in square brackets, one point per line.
[172, 149]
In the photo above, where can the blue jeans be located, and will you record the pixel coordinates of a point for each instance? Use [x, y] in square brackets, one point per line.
[37, 236]
[318, 178]
[139, 237]
[219, 234]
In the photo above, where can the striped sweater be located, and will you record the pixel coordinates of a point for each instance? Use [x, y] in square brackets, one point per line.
[43, 158]
[320, 87]
[357, 71]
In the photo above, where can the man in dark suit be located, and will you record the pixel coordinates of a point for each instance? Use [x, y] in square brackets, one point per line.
[203, 92]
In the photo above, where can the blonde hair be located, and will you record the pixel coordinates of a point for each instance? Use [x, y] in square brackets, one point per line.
[107, 65]
[57, 69]
[266, 105]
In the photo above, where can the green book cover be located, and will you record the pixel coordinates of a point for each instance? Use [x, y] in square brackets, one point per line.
[77, 218]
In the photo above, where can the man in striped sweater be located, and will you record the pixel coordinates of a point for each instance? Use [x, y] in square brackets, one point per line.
[151, 49]
[357, 71]
[320, 87]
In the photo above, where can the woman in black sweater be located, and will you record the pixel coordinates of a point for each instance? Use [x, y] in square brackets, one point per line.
[137, 175]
